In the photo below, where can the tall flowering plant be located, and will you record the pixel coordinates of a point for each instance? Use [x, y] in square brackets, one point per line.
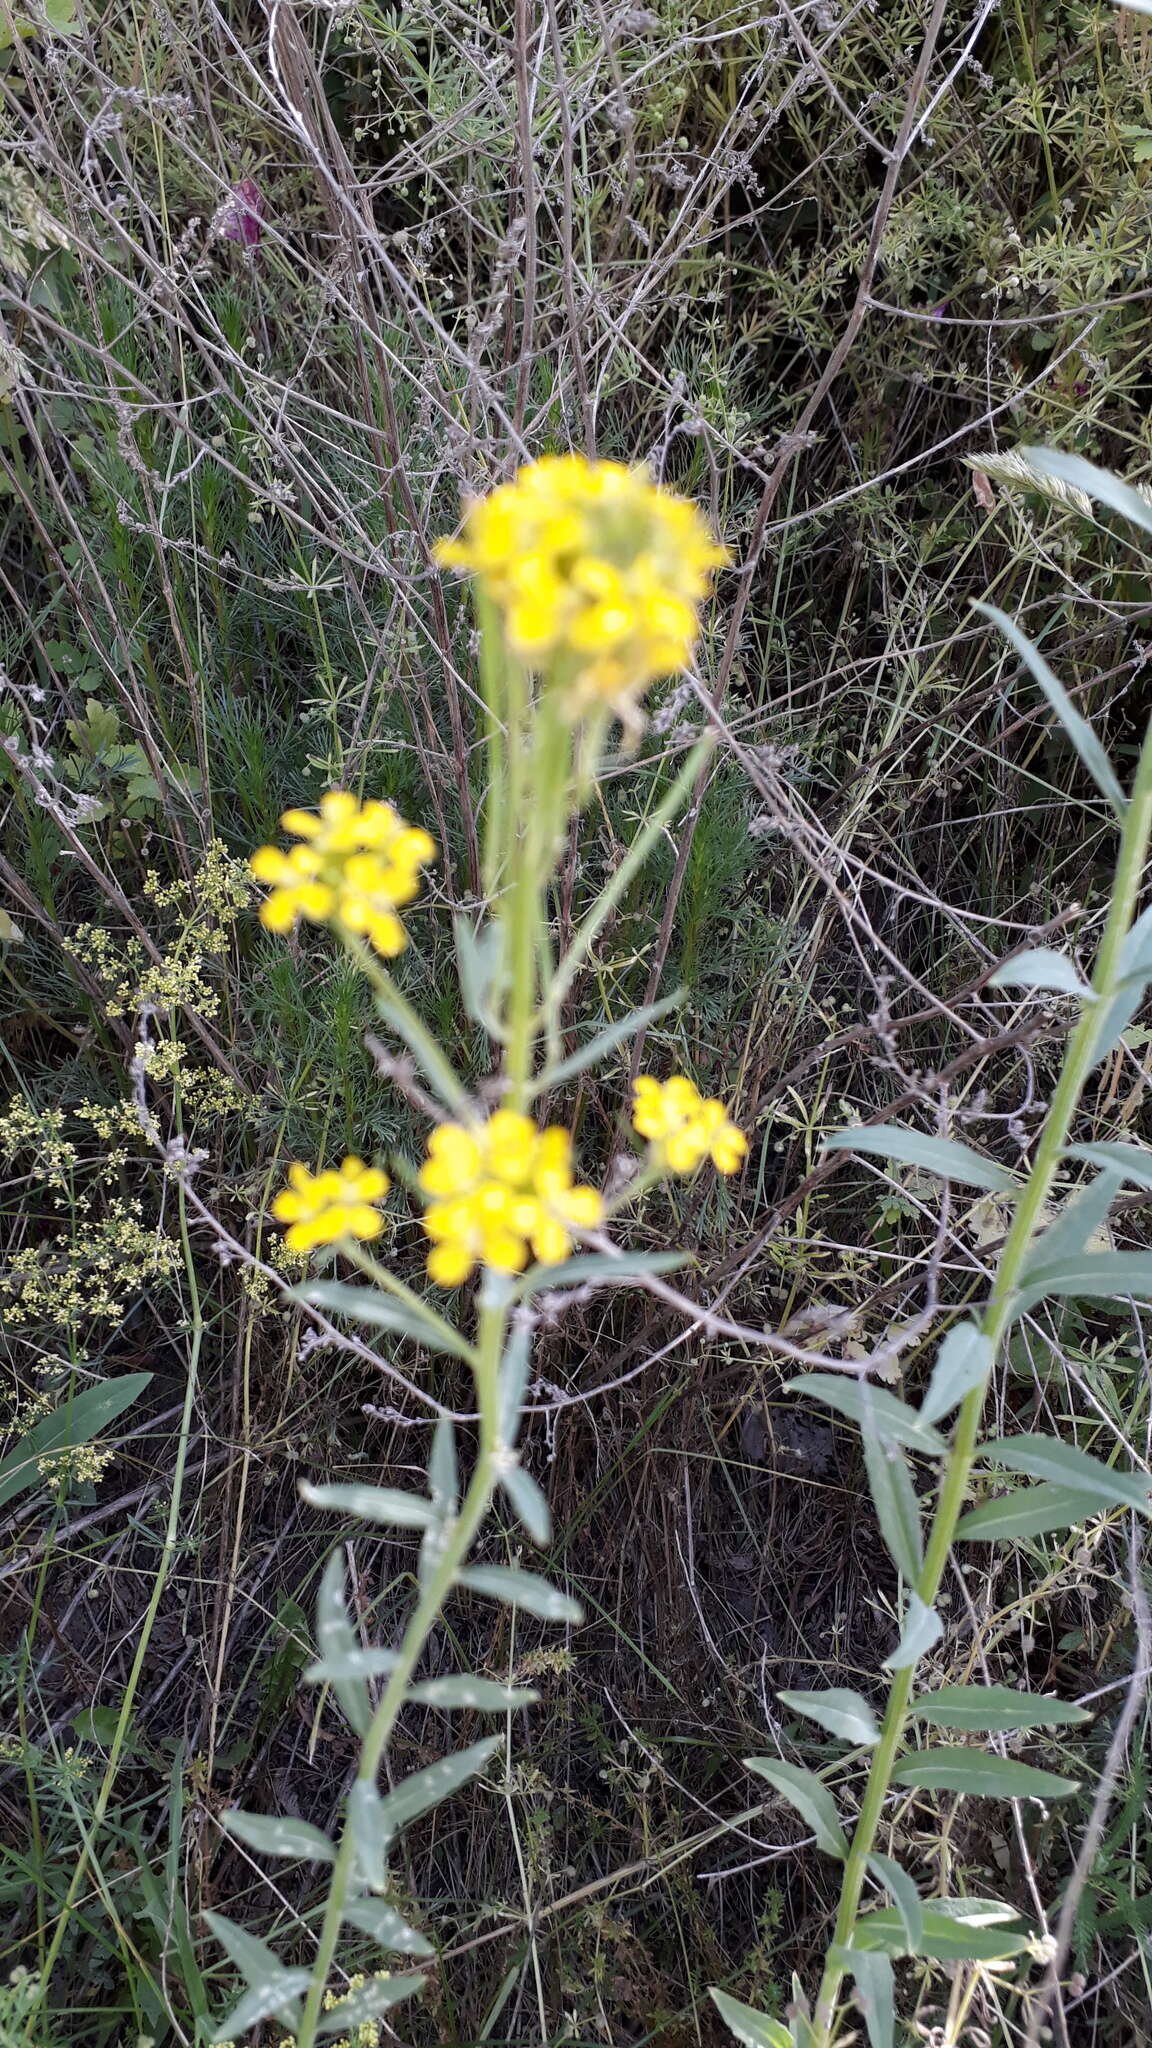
[588, 582]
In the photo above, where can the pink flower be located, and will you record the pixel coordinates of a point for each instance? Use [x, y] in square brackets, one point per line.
[238, 220]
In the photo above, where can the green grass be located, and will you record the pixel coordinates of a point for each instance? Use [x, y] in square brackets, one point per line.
[220, 474]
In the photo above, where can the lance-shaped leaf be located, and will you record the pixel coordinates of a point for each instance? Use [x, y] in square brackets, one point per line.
[75, 1422]
[978, 1773]
[977, 1709]
[366, 2003]
[606, 1041]
[893, 1420]
[485, 1695]
[370, 1833]
[905, 1897]
[528, 1503]
[521, 1589]
[336, 1642]
[922, 1628]
[375, 1310]
[273, 1988]
[1028, 1511]
[596, 1269]
[809, 1795]
[1132, 1163]
[385, 1504]
[1042, 968]
[942, 1938]
[1046, 1457]
[842, 1712]
[963, 1362]
[386, 1927]
[1076, 727]
[755, 2029]
[426, 1788]
[279, 1835]
[894, 1498]
[945, 1156]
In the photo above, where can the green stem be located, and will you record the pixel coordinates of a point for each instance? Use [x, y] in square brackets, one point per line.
[1078, 1062]
[458, 1541]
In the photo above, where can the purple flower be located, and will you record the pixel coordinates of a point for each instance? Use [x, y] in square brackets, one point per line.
[238, 220]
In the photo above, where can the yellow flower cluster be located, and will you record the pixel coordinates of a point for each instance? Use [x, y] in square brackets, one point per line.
[354, 866]
[598, 572]
[499, 1190]
[320, 1208]
[684, 1128]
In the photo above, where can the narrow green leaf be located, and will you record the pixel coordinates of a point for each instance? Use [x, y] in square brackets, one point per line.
[1046, 1457]
[596, 1269]
[963, 1362]
[952, 1768]
[1064, 1243]
[370, 1833]
[513, 1381]
[1077, 728]
[336, 1641]
[383, 1504]
[942, 1939]
[368, 2000]
[906, 1898]
[482, 1693]
[842, 1712]
[75, 1422]
[1085, 476]
[528, 1503]
[444, 1469]
[522, 1589]
[976, 1708]
[426, 1788]
[275, 1835]
[811, 1798]
[894, 1498]
[272, 1987]
[278, 1998]
[376, 1310]
[1028, 1511]
[1130, 1162]
[952, 1161]
[875, 1994]
[922, 1628]
[386, 1927]
[353, 1663]
[479, 956]
[1041, 968]
[1110, 1276]
[606, 1041]
[755, 2029]
[894, 1421]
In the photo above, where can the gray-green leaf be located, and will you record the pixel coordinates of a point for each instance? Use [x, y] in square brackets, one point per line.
[378, 1311]
[842, 1712]
[811, 1798]
[1028, 1511]
[606, 1041]
[484, 1694]
[875, 1994]
[1042, 968]
[513, 1380]
[272, 1986]
[1064, 1242]
[976, 1772]
[386, 1928]
[368, 2000]
[337, 1641]
[922, 1628]
[905, 1896]
[278, 1998]
[1076, 727]
[1046, 1457]
[893, 1420]
[528, 1503]
[522, 1589]
[963, 1362]
[370, 1833]
[974, 1709]
[425, 1789]
[595, 1269]
[385, 1504]
[1130, 1162]
[276, 1835]
[951, 1160]
[352, 1663]
[755, 2029]
[1107, 1276]
[941, 1938]
[894, 1498]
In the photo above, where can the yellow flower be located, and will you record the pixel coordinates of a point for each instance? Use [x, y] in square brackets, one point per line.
[320, 1208]
[500, 1191]
[354, 866]
[598, 572]
[684, 1127]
